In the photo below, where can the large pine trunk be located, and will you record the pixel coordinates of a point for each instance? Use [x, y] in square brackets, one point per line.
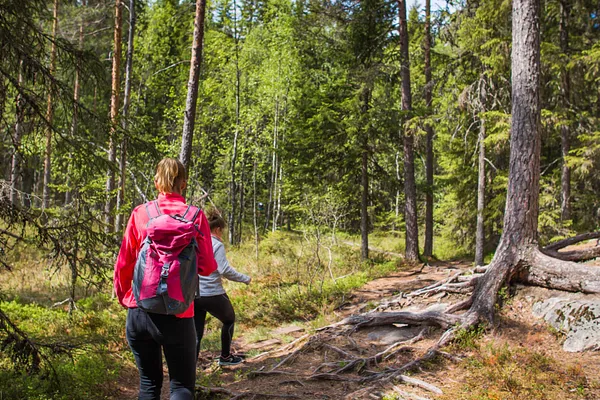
[410, 188]
[114, 116]
[50, 115]
[519, 237]
[125, 122]
[428, 246]
[189, 119]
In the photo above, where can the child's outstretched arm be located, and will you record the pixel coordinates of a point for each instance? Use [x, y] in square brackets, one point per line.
[227, 270]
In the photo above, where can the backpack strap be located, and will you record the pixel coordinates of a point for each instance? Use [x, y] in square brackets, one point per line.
[195, 213]
[152, 209]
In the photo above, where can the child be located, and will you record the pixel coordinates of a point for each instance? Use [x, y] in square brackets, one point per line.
[213, 298]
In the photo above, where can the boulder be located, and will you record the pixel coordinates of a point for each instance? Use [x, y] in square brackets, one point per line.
[578, 319]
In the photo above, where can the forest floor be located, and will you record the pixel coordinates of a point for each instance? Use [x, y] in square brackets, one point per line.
[519, 358]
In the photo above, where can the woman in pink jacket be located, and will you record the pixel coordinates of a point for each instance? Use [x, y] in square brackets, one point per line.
[150, 334]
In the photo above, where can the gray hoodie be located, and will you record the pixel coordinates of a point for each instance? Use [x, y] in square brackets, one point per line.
[212, 285]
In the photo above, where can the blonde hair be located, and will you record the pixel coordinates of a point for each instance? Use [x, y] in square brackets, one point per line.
[170, 174]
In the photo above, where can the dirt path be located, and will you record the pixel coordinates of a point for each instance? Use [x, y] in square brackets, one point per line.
[518, 331]
[290, 379]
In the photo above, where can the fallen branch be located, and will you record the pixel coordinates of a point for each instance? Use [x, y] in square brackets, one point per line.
[419, 383]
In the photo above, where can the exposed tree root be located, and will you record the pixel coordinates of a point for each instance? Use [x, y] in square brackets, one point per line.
[552, 250]
[431, 318]
[551, 273]
[573, 240]
[298, 343]
[211, 392]
[527, 264]
[575, 255]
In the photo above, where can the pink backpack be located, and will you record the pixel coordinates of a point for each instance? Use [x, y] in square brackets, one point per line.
[165, 278]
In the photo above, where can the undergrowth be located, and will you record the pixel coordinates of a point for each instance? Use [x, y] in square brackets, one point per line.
[505, 371]
[298, 278]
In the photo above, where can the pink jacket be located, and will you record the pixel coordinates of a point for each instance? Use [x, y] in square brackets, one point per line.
[135, 233]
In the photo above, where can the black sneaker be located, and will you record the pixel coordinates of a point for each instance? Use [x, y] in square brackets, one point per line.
[231, 360]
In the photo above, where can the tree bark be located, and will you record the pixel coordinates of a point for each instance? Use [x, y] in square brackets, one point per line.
[254, 210]
[519, 236]
[50, 114]
[557, 274]
[434, 318]
[76, 93]
[410, 188]
[364, 180]
[480, 235]
[273, 179]
[125, 122]
[18, 134]
[565, 179]
[428, 246]
[114, 117]
[233, 185]
[189, 119]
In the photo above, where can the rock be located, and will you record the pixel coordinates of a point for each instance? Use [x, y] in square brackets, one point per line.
[578, 319]
[390, 334]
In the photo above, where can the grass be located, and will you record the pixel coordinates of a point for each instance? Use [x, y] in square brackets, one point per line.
[508, 371]
[298, 278]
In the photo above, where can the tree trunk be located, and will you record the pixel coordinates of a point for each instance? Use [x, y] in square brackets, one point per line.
[233, 185]
[276, 171]
[50, 114]
[241, 189]
[410, 188]
[114, 116]
[254, 210]
[480, 235]
[519, 236]
[565, 179]
[76, 92]
[364, 181]
[428, 247]
[189, 119]
[397, 200]
[15, 162]
[273, 178]
[125, 122]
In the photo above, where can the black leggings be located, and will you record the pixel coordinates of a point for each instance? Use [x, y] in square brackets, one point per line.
[147, 335]
[219, 307]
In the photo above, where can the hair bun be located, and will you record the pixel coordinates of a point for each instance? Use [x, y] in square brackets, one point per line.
[212, 214]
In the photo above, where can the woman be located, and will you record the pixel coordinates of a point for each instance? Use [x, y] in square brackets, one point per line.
[149, 333]
[213, 298]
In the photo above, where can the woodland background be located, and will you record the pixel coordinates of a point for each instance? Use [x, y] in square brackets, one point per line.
[301, 137]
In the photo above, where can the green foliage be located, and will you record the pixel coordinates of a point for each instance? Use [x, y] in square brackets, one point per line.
[468, 339]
